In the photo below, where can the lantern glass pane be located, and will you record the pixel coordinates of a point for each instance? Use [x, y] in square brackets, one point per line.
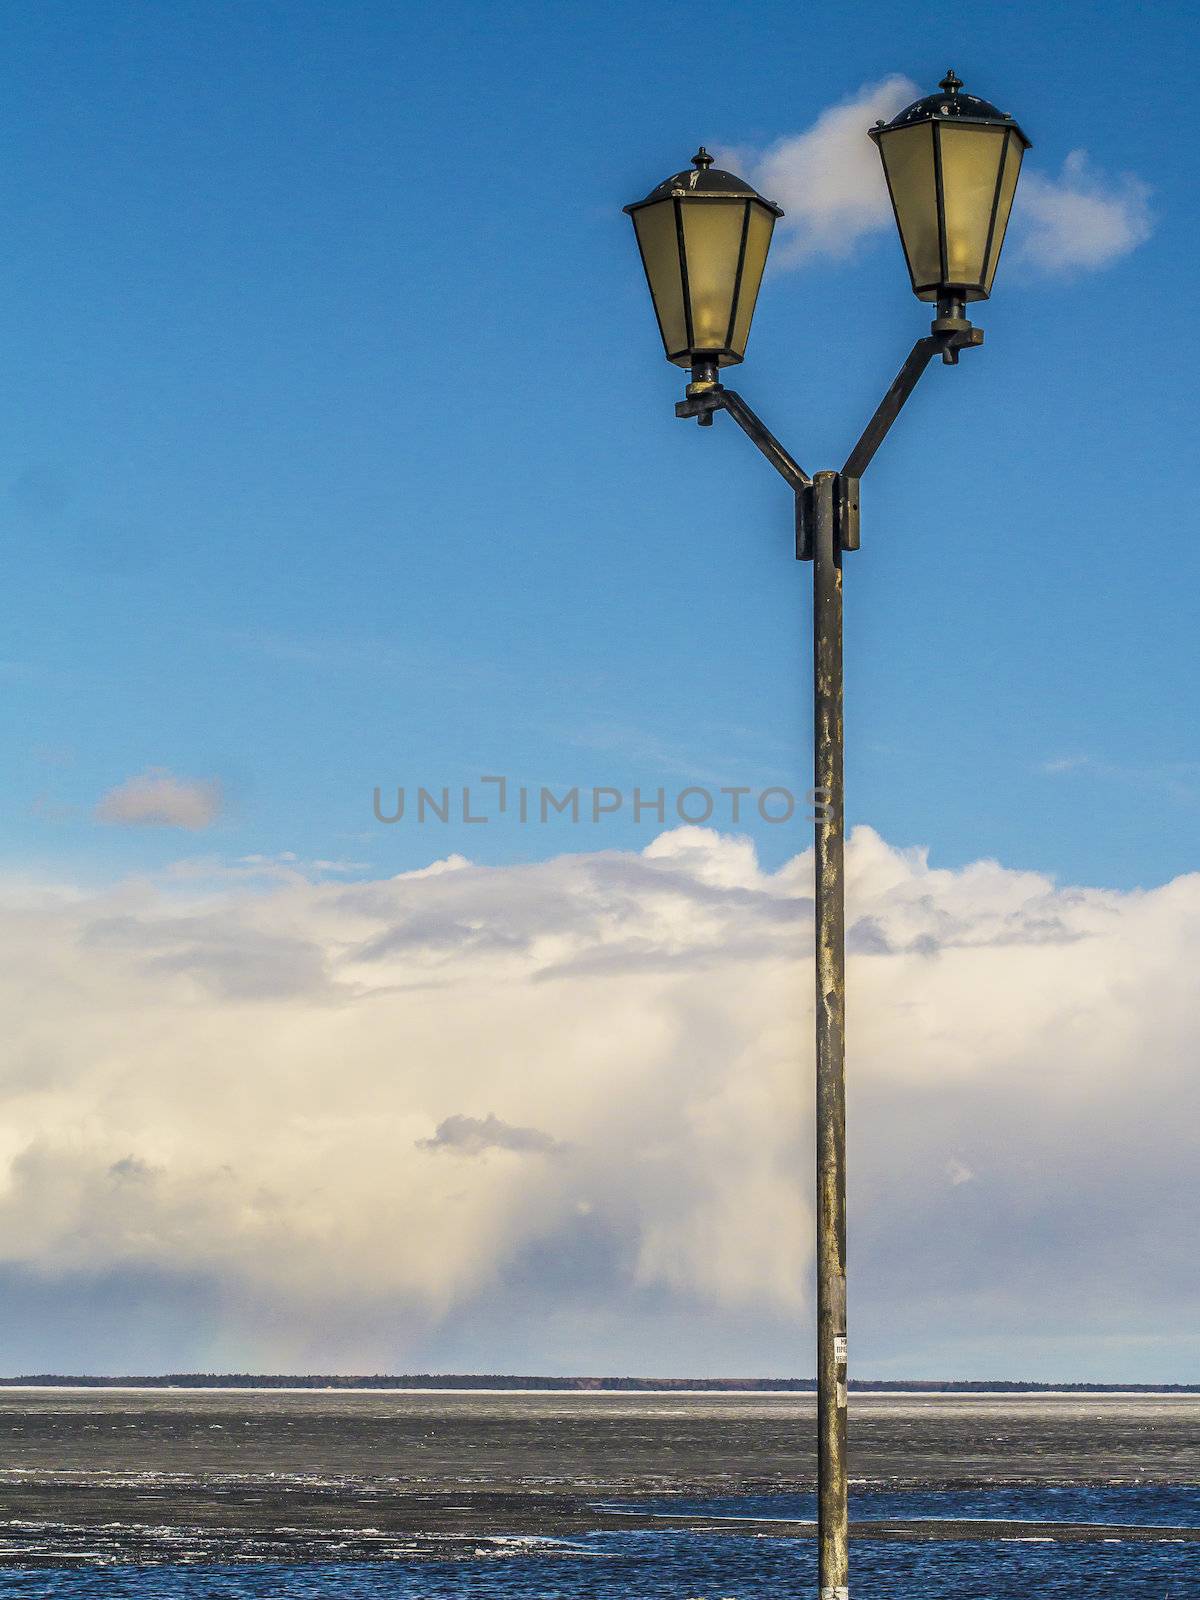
[908, 162]
[971, 162]
[758, 242]
[712, 237]
[658, 240]
[1013, 151]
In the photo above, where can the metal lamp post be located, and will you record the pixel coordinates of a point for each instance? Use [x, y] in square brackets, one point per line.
[951, 161]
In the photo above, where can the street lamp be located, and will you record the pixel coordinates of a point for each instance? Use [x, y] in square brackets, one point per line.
[704, 237]
[951, 162]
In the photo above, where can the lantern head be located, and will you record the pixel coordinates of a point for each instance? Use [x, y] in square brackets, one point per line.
[704, 237]
[951, 162]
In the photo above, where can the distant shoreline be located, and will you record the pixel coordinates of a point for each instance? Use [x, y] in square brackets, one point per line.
[495, 1383]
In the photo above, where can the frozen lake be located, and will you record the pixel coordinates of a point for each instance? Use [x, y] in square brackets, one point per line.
[247, 1494]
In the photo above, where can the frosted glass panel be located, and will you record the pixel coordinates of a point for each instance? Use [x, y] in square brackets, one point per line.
[712, 232]
[1013, 152]
[659, 244]
[971, 161]
[908, 162]
[758, 242]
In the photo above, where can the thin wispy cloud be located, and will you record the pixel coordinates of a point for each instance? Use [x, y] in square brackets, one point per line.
[158, 799]
[1179, 780]
[475, 1136]
[1061, 764]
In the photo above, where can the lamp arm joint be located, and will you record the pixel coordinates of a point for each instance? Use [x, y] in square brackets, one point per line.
[704, 403]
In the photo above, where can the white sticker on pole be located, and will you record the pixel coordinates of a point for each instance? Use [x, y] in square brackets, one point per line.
[835, 1592]
[841, 1349]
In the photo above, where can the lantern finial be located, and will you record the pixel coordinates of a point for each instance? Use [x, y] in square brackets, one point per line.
[951, 83]
[702, 159]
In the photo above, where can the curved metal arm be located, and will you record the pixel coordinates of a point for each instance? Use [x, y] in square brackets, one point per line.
[951, 332]
[888, 409]
[708, 401]
[947, 344]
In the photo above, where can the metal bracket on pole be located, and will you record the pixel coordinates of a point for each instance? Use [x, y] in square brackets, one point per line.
[949, 333]
[846, 519]
[706, 398]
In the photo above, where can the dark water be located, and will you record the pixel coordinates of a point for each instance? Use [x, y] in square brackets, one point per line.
[1154, 1505]
[667, 1566]
[227, 1495]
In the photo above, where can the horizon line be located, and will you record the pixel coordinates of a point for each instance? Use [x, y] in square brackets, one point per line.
[516, 1382]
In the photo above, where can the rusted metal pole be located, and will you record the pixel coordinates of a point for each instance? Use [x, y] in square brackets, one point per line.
[833, 1531]
[827, 510]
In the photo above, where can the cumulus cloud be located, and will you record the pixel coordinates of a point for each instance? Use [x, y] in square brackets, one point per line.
[829, 181]
[1081, 219]
[322, 1111]
[156, 799]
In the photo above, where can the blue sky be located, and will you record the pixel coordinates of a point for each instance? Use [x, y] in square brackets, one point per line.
[339, 450]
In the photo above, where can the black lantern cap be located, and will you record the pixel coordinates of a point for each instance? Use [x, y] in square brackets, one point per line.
[949, 105]
[704, 180]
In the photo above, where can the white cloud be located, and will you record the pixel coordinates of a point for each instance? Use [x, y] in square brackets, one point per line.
[1082, 219]
[368, 1119]
[828, 179]
[156, 799]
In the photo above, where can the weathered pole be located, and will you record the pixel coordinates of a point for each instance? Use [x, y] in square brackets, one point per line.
[833, 1530]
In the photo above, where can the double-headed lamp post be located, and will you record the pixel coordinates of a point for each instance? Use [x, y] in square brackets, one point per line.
[951, 162]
